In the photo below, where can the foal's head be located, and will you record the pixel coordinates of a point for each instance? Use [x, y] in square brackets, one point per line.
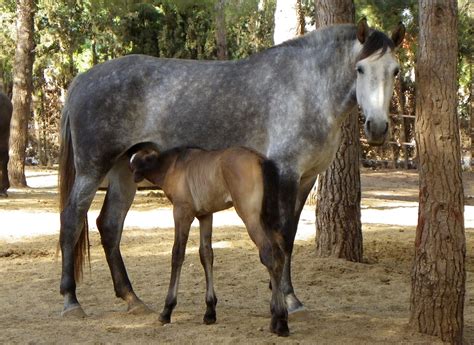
[143, 163]
[376, 69]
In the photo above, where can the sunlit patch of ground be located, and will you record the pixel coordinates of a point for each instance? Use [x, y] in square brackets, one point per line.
[346, 302]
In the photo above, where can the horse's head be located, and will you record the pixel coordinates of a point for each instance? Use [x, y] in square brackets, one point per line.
[376, 69]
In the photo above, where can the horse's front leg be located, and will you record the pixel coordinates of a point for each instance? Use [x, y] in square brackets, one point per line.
[183, 218]
[288, 194]
[119, 198]
[207, 260]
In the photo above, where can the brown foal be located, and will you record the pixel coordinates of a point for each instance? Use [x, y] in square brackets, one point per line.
[199, 183]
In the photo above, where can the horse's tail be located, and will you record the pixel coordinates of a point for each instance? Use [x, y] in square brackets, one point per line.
[66, 177]
[270, 214]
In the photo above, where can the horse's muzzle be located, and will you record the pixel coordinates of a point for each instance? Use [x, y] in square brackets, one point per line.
[376, 132]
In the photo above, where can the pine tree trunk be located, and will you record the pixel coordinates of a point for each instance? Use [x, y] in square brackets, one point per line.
[471, 109]
[221, 31]
[438, 275]
[22, 89]
[338, 225]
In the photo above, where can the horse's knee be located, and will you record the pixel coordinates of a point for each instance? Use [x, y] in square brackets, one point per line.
[271, 256]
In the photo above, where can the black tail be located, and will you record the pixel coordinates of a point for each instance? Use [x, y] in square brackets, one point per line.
[67, 175]
[270, 211]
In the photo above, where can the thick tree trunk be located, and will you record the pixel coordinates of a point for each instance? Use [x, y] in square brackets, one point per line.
[338, 225]
[438, 275]
[22, 88]
[330, 12]
[221, 31]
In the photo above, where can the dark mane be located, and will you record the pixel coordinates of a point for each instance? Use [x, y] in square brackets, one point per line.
[377, 40]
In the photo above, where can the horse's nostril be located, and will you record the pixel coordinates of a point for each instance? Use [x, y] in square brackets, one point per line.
[386, 129]
[368, 126]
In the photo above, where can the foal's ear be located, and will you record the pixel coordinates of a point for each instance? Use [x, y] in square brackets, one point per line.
[137, 177]
[362, 30]
[398, 34]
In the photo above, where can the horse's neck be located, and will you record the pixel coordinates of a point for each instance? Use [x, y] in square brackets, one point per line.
[325, 65]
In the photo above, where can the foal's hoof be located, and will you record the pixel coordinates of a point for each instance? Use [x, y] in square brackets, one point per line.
[164, 319]
[280, 328]
[139, 309]
[74, 311]
[210, 319]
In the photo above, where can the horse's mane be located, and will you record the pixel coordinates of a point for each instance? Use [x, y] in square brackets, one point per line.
[343, 32]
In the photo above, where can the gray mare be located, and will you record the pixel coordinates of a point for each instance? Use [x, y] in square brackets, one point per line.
[286, 102]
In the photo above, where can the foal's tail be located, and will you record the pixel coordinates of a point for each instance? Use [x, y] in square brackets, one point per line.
[66, 177]
[270, 211]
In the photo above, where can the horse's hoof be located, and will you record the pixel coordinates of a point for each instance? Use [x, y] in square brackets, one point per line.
[74, 311]
[164, 319]
[293, 305]
[3, 195]
[280, 328]
[139, 309]
[210, 319]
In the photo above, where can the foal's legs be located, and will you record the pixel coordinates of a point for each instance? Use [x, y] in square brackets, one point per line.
[207, 260]
[119, 197]
[72, 222]
[182, 220]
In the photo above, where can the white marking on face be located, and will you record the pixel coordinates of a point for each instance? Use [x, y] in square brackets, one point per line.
[133, 156]
[374, 89]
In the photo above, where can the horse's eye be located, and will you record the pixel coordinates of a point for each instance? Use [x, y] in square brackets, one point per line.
[360, 70]
[395, 73]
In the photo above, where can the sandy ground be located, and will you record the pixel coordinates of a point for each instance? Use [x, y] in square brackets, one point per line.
[346, 302]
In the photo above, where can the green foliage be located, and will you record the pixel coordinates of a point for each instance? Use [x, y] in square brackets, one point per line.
[7, 43]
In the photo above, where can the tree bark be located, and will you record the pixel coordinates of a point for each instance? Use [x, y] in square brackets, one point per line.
[438, 274]
[301, 22]
[22, 89]
[338, 225]
[471, 110]
[221, 31]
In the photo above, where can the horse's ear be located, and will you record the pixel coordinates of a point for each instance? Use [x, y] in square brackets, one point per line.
[398, 34]
[362, 30]
[137, 177]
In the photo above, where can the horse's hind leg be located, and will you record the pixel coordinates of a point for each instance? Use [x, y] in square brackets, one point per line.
[72, 224]
[207, 260]
[183, 219]
[119, 198]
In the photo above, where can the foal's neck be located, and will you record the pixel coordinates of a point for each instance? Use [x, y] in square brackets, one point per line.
[161, 168]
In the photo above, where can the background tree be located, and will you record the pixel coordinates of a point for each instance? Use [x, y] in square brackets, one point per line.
[338, 225]
[286, 20]
[221, 39]
[438, 275]
[22, 89]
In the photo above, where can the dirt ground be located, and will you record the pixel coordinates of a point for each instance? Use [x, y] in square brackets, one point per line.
[346, 303]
